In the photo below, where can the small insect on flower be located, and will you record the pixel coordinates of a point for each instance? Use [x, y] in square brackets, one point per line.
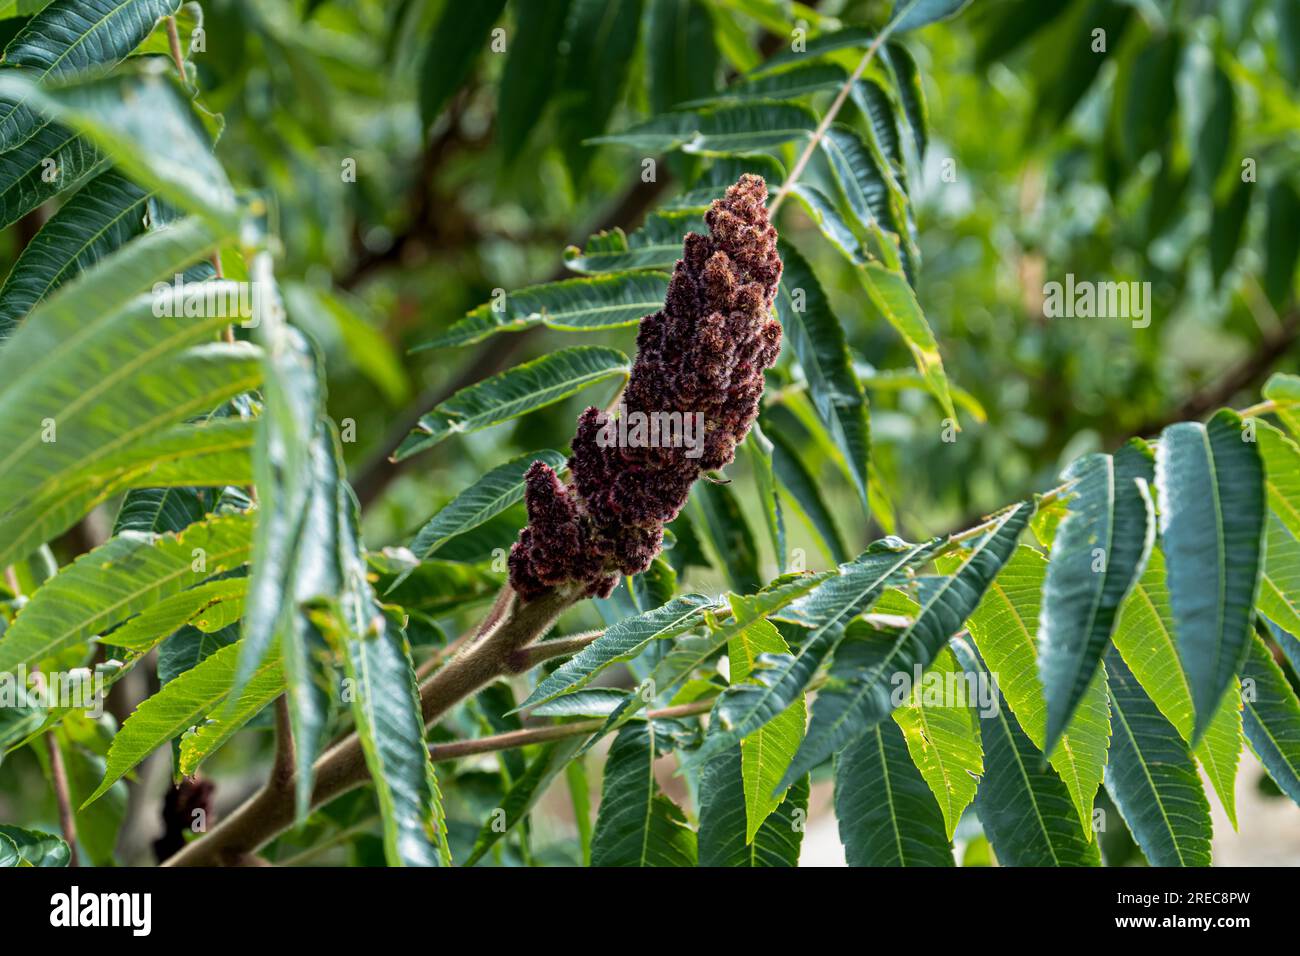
[703, 353]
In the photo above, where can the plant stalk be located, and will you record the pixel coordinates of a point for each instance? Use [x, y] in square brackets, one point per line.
[342, 767]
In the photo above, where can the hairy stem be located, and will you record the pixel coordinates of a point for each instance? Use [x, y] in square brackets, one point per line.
[526, 658]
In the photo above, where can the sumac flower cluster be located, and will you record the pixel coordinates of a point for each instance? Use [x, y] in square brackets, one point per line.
[704, 352]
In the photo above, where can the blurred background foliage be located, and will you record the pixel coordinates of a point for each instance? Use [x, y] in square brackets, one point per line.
[470, 176]
[414, 168]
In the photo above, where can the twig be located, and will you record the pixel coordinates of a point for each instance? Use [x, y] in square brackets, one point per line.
[539, 735]
[67, 822]
[1261, 408]
[526, 658]
[1245, 374]
[174, 44]
[178, 57]
[988, 523]
[270, 811]
[285, 753]
[825, 124]
[313, 851]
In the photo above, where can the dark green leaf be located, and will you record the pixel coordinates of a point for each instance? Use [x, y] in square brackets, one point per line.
[656, 245]
[1281, 243]
[621, 642]
[1272, 718]
[795, 478]
[1211, 487]
[723, 837]
[722, 130]
[907, 82]
[25, 170]
[637, 825]
[826, 611]
[1099, 552]
[858, 694]
[1149, 96]
[759, 452]
[71, 36]
[143, 122]
[103, 216]
[886, 812]
[601, 38]
[1215, 135]
[496, 491]
[573, 305]
[715, 512]
[875, 105]
[454, 45]
[822, 352]
[682, 56]
[1226, 225]
[530, 70]
[1152, 778]
[523, 795]
[914, 14]
[1023, 805]
[786, 84]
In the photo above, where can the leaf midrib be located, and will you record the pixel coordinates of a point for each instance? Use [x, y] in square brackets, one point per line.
[70, 635]
[1151, 785]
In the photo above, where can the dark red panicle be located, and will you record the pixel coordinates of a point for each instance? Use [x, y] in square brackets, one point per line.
[704, 352]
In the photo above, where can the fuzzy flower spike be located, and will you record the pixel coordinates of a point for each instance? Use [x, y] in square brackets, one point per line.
[702, 356]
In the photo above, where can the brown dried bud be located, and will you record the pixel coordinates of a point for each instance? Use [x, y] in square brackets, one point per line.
[703, 356]
[179, 814]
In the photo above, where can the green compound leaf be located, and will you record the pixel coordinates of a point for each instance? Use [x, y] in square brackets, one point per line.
[1152, 777]
[1271, 718]
[1100, 549]
[859, 692]
[725, 837]
[607, 301]
[1027, 812]
[887, 813]
[637, 825]
[517, 391]
[1212, 507]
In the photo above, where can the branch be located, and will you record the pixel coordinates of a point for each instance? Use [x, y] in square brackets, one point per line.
[825, 124]
[285, 753]
[270, 811]
[539, 735]
[1245, 374]
[526, 658]
[67, 822]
